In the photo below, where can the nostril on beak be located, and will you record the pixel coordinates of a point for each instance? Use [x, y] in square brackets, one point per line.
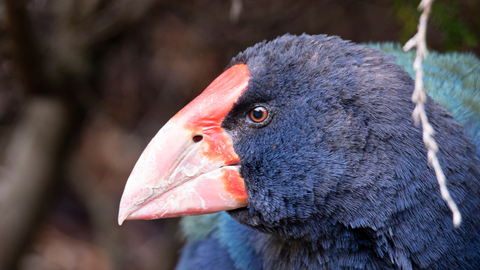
[197, 138]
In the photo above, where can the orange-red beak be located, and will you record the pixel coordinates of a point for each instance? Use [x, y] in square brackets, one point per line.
[190, 166]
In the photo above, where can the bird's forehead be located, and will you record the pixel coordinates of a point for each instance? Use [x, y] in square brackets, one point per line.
[216, 101]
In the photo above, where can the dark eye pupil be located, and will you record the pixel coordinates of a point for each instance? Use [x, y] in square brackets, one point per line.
[258, 114]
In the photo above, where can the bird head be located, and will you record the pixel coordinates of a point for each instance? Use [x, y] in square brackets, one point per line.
[298, 135]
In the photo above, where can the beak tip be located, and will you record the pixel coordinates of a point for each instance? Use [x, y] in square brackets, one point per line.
[123, 215]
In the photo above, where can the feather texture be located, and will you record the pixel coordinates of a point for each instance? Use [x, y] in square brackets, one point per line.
[451, 79]
[218, 241]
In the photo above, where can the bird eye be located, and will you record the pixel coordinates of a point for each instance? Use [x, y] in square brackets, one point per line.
[258, 114]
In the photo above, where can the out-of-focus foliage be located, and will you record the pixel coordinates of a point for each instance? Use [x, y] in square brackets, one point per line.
[408, 15]
[458, 35]
[458, 22]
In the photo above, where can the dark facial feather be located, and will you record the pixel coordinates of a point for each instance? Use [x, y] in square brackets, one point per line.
[341, 151]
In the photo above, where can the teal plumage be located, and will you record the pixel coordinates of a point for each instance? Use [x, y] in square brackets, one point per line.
[233, 236]
[452, 80]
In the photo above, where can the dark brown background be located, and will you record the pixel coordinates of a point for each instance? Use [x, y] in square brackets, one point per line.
[123, 68]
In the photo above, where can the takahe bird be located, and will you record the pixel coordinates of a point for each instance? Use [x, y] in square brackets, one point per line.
[309, 144]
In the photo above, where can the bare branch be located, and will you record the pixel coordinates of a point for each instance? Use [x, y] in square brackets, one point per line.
[235, 11]
[42, 140]
[419, 115]
[33, 156]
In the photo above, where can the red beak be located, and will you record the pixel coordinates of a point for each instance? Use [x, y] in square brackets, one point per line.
[190, 166]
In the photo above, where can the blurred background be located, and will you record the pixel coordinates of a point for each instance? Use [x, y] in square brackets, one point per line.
[85, 84]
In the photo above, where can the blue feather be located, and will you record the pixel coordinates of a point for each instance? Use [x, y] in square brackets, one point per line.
[235, 239]
[452, 80]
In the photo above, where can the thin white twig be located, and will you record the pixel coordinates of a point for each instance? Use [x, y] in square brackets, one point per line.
[419, 115]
